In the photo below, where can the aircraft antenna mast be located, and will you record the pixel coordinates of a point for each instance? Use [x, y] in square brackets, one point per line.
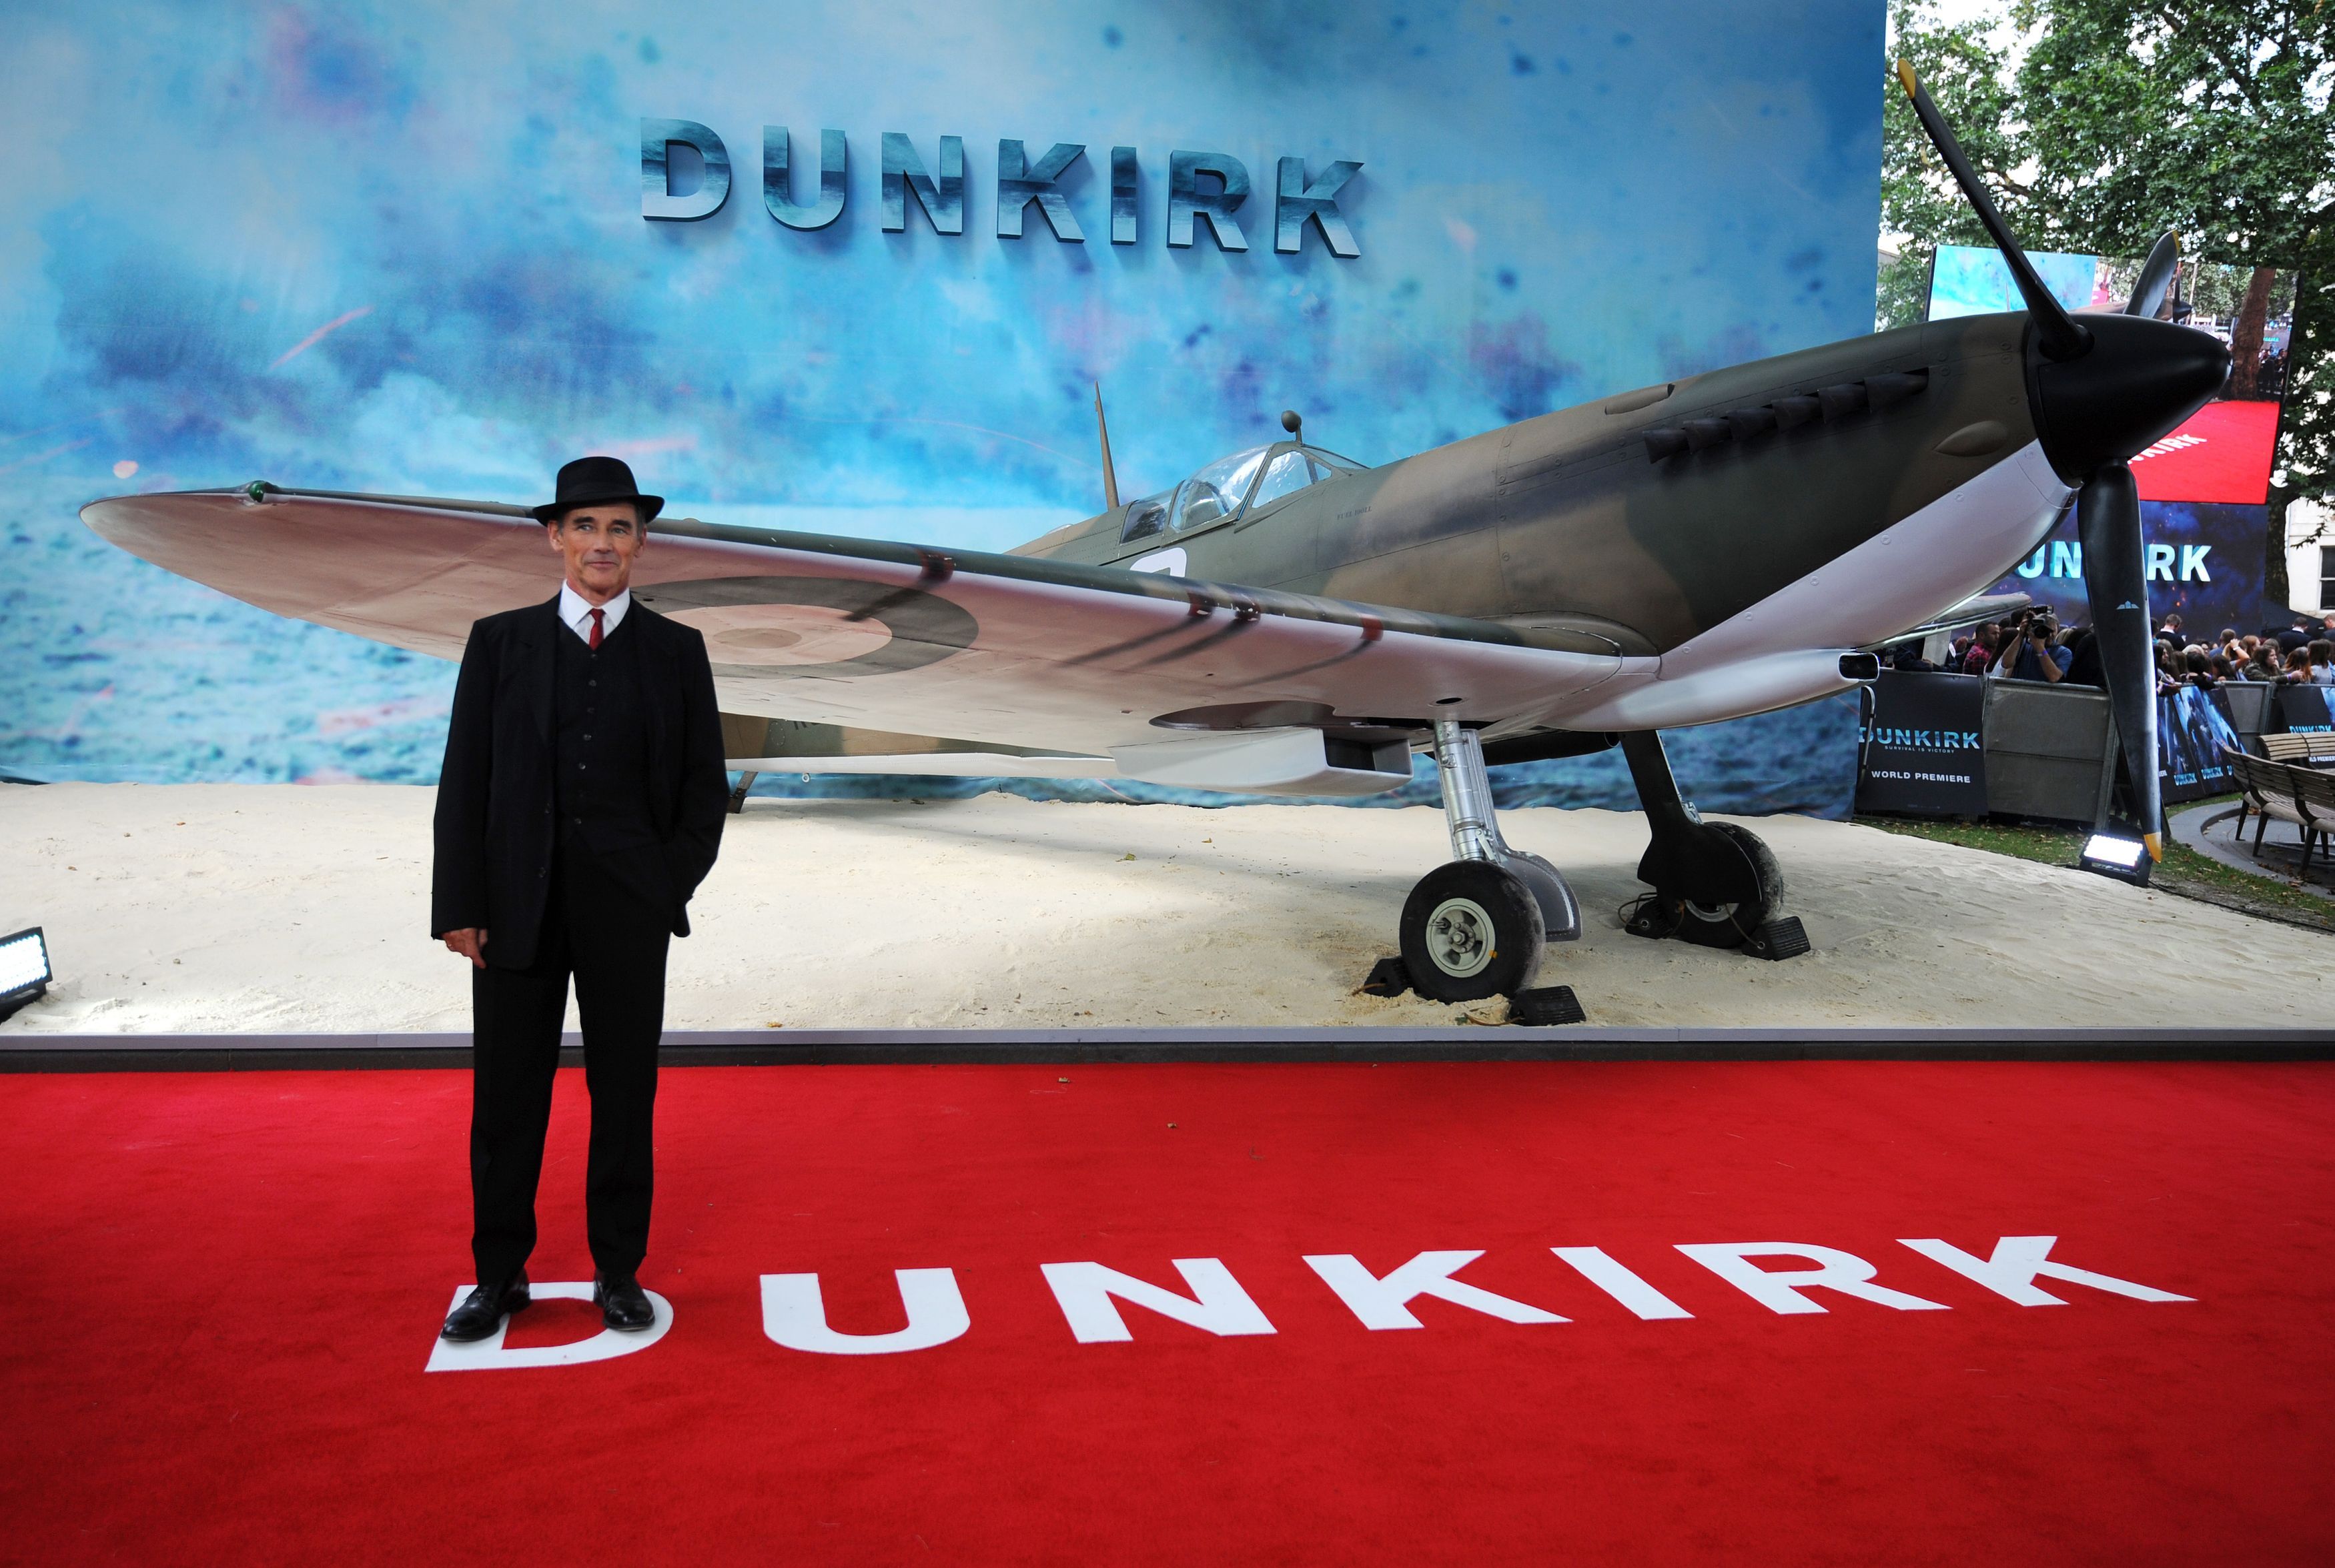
[1109, 474]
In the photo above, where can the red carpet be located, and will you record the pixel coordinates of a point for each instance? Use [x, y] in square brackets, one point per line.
[224, 1289]
[2223, 454]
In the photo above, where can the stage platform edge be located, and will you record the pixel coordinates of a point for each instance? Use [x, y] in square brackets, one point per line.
[31, 1053]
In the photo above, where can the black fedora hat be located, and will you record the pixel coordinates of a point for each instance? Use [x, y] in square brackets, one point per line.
[593, 481]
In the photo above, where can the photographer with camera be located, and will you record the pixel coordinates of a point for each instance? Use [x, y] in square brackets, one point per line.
[2028, 651]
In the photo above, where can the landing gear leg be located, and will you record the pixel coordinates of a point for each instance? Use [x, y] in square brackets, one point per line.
[1715, 884]
[738, 795]
[1475, 927]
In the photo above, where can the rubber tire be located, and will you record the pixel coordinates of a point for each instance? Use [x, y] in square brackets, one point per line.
[1517, 934]
[1733, 927]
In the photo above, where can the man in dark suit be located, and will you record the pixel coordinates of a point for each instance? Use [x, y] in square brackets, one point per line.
[580, 805]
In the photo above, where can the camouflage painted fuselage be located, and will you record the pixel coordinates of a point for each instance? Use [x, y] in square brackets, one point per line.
[1569, 527]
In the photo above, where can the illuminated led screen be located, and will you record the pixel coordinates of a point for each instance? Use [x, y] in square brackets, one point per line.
[2224, 454]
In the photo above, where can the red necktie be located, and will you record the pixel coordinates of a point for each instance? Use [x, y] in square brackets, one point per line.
[594, 638]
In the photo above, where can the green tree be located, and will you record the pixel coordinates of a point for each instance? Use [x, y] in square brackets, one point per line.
[1967, 77]
[2210, 119]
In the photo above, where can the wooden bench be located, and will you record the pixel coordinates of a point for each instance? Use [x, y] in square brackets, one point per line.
[2302, 796]
[2313, 748]
[2314, 792]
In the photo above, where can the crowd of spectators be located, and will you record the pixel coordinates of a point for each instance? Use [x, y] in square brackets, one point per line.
[2301, 655]
[2034, 646]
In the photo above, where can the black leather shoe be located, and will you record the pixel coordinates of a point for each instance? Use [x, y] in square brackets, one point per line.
[483, 1310]
[623, 1303]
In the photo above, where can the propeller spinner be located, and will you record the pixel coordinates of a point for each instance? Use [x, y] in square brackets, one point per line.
[2105, 389]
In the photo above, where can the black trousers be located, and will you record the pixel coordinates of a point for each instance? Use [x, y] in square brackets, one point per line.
[613, 942]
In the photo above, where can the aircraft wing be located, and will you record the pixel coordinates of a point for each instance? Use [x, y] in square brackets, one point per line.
[880, 657]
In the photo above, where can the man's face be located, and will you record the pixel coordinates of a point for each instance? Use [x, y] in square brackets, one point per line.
[598, 545]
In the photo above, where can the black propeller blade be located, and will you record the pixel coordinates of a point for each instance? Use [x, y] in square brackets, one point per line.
[2059, 334]
[2107, 521]
[2149, 290]
[2102, 394]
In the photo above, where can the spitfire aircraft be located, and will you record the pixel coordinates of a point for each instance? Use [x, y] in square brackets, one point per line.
[1288, 622]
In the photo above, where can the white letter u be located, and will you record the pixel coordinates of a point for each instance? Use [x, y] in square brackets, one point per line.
[794, 1316]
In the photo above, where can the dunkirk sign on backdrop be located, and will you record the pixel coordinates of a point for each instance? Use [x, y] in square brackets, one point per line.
[1203, 188]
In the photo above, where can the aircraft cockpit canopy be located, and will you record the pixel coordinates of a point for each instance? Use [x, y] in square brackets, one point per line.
[1245, 483]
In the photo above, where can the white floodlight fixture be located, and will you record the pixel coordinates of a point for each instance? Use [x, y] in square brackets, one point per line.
[2110, 855]
[23, 969]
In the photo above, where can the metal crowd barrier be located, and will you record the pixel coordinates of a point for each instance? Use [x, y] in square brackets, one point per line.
[2253, 713]
[2050, 750]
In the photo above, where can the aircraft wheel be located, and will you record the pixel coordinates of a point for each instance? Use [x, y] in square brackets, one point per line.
[1733, 924]
[1471, 929]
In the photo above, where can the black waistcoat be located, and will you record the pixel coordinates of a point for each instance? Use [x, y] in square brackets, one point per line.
[600, 788]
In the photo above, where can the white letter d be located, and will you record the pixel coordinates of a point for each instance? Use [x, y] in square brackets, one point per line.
[489, 1355]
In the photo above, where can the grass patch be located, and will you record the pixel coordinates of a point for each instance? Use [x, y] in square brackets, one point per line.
[2184, 873]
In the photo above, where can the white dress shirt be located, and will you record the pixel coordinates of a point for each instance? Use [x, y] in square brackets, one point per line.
[576, 610]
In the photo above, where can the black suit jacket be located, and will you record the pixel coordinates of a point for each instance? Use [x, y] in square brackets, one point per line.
[494, 830]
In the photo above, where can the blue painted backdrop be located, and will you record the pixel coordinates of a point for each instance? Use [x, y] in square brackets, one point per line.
[399, 247]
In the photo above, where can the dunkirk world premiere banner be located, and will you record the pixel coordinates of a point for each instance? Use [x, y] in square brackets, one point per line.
[1921, 751]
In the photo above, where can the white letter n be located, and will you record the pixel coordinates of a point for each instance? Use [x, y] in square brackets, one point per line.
[1217, 1302]
[2011, 1272]
[794, 1316]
